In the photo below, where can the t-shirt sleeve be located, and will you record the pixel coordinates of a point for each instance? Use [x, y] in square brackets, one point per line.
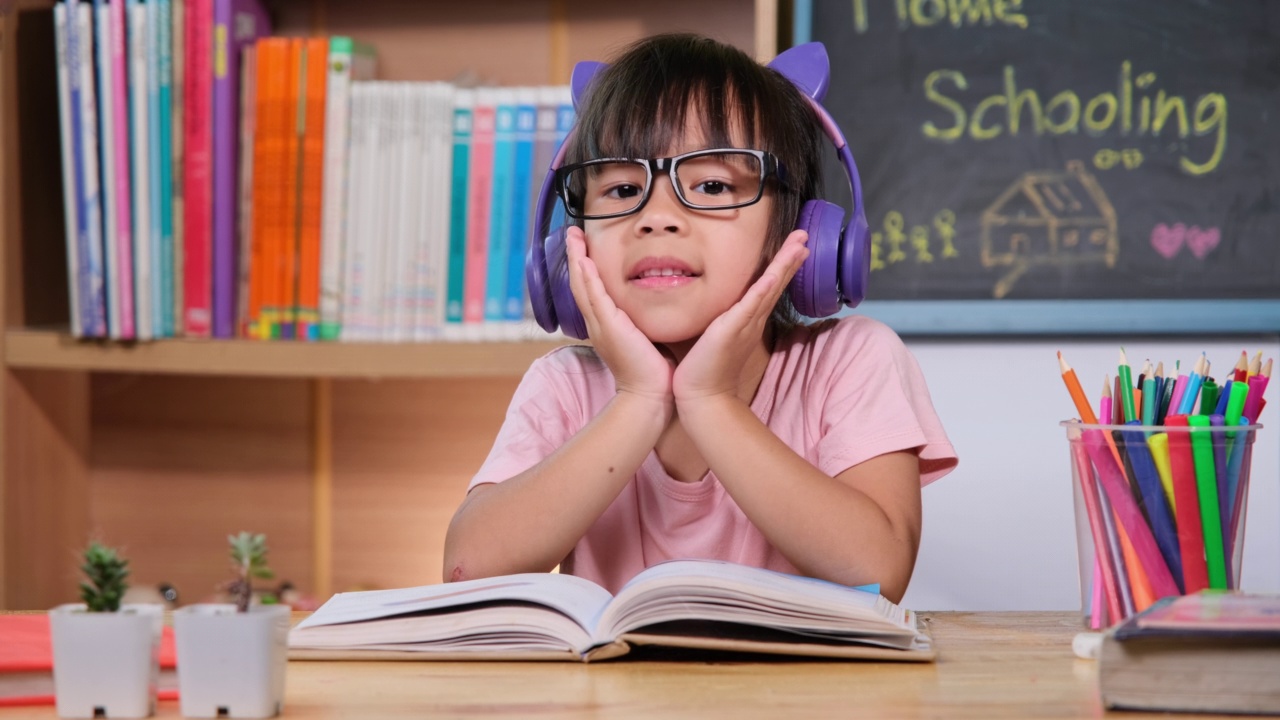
[545, 411]
[876, 402]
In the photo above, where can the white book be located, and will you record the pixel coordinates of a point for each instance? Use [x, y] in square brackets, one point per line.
[69, 199]
[140, 144]
[437, 174]
[354, 266]
[403, 273]
[693, 604]
[380, 220]
[92, 265]
[106, 119]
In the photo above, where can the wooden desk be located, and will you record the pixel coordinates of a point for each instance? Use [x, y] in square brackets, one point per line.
[992, 665]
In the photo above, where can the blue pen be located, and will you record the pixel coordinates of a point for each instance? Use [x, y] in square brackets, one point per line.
[1153, 499]
[1221, 408]
[1233, 497]
[1194, 380]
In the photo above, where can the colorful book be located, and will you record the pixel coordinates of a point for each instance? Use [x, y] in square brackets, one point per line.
[106, 143]
[348, 61]
[139, 142]
[236, 23]
[501, 205]
[306, 301]
[91, 268]
[463, 115]
[197, 183]
[479, 200]
[248, 131]
[523, 180]
[160, 201]
[123, 177]
[70, 194]
[177, 100]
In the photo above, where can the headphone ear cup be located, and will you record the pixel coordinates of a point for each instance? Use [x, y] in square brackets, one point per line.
[561, 294]
[855, 261]
[813, 289]
[535, 277]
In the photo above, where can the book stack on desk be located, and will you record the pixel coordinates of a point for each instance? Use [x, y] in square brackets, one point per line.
[1206, 652]
[688, 604]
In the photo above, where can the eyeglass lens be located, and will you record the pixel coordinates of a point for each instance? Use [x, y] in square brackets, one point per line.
[712, 180]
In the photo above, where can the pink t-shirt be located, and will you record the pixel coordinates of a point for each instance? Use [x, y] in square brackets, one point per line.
[838, 393]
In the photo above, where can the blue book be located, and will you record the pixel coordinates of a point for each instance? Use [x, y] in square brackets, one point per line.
[564, 123]
[463, 102]
[521, 204]
[159, 58]
[501, 205]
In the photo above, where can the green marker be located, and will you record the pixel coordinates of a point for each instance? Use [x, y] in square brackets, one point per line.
[1209, 396]
[1126, 389]
[1149, 402]
[1235, 404]
[1207, 490]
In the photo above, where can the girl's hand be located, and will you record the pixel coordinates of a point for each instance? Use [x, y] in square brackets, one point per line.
[714, 365]
[638, 367]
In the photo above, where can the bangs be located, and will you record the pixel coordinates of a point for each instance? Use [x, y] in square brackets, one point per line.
[644, 121]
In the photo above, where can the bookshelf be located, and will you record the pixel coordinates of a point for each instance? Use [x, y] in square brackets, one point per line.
[351, 457]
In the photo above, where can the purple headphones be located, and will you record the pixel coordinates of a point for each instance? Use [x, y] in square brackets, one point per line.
[834, 274]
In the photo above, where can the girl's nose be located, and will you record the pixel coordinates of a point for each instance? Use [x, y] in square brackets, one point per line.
[663, 212]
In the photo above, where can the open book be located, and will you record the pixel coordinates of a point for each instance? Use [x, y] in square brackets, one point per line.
[700, 604]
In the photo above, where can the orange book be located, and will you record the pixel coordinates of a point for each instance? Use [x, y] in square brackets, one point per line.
[26, 662]
[284, 257]
[306, 305]
[268, 180]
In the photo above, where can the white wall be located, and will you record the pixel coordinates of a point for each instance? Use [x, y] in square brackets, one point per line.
[999, 531]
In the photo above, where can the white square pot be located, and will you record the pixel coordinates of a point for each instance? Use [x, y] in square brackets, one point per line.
[105, 661]
[231, 662]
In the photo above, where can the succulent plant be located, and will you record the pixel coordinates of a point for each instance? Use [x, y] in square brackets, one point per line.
[106, 572]
[249, 560]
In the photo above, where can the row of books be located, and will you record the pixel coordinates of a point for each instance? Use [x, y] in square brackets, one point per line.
[222, 183]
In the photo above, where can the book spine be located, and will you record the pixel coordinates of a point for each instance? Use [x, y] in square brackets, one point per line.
[197, 186]
[236, 23]
[140, 143]
[163, 163]
[501, 207]
[106, 142]
[463, 115]
[177, 99]
[312, 180]
[271, 121]
[70, 196]
[442, 173]
[480, 193]
[521, 208]
[401, 257]
[159, 268]
[92, 281]
[282, 299]
[380, 233]
[248, 132]
[336, 133]
[354, 289]
[123, 178]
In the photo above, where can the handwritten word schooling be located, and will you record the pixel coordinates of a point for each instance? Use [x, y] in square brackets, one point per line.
[890, 245]
[1130, 110]
[957, 13]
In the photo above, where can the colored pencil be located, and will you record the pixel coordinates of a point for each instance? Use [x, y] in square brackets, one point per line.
[1241, 372]
[1126, 388]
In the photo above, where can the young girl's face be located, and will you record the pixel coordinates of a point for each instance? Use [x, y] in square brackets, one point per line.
[673, 269]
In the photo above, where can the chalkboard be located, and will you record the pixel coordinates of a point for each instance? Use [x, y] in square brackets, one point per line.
[1044, 151]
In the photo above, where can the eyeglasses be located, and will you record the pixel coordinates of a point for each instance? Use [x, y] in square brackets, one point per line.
[719, 179]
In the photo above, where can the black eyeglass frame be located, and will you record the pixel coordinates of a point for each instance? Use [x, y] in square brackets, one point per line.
[769, 166]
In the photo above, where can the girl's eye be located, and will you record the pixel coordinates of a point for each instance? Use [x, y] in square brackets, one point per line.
[712, 187]
[622, 192]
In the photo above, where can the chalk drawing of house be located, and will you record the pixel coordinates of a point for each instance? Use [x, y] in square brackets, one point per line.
[1048, 217]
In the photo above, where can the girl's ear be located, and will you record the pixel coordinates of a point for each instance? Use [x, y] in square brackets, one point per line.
[806, 66]
[579, 81]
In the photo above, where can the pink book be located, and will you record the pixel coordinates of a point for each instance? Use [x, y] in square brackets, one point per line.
[198, 176]
[119, 94]
[479, 190]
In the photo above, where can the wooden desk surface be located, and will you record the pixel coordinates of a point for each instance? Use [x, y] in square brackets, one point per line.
[991, 665]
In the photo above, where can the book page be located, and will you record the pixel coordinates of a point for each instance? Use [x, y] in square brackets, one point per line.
[526, 605]
[727, 592]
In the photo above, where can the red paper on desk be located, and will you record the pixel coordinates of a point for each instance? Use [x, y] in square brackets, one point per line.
[26, 662]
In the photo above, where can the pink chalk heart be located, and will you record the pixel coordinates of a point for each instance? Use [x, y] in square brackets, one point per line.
[1168, 240]
[1201, 242]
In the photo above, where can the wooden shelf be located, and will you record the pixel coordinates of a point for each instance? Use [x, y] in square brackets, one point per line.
[52, 350]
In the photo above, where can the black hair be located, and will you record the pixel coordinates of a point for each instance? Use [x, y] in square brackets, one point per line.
[639, 104]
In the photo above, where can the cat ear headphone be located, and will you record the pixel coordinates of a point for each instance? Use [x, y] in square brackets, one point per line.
[834, 274]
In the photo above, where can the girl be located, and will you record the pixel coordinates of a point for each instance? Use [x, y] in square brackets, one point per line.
[704, 421]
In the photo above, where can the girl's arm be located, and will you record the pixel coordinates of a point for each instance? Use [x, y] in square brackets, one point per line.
[530, 522]
[862, 526]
